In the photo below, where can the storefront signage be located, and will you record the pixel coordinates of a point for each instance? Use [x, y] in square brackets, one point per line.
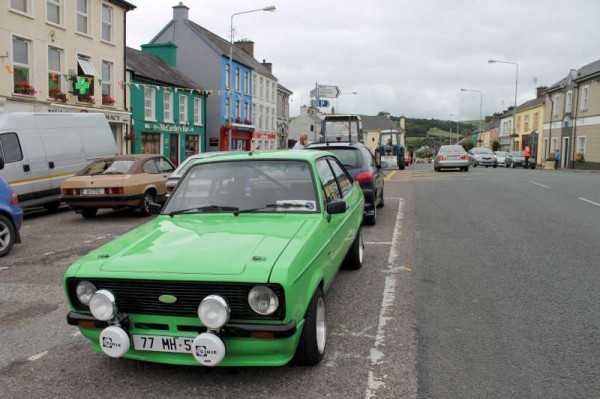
[267, 136]
[110, 116]
[83, 86]
[163, 127]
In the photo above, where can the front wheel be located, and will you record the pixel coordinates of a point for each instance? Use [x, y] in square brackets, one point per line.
[7, 235]
[371, 220]
[313, 340]
[145, 205]
[354, 257]
[401, 164]
[381, 202]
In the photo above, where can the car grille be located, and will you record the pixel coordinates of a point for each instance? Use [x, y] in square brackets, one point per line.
[141, 297]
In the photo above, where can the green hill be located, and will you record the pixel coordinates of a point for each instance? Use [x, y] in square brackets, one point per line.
[442, 133]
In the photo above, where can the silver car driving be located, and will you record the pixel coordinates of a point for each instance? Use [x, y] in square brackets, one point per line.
[483, 156]
[451, 156]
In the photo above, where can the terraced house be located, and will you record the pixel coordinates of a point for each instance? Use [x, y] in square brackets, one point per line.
[65, 56]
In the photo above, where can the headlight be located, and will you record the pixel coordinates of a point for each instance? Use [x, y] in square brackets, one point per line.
[103, 305]
[263, 300]
[84, 292]
[213, 312]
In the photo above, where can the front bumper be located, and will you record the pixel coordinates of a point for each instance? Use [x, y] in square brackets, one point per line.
[242, 348]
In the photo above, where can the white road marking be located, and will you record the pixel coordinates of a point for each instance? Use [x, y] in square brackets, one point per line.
[588, 201]
[48, 253]
[3, 268]
[538, 184]
[76, 333]
[378, 243]
[376, 380]
[36, 357]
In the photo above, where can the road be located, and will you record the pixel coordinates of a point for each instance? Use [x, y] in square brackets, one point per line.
[479, 284]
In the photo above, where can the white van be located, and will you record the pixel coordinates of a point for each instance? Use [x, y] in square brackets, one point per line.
[41, 150]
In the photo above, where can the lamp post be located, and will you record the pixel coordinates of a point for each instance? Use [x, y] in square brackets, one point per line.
[480, 105]
[457, 132]
[514, 129]
[229, 133]
[337, 100]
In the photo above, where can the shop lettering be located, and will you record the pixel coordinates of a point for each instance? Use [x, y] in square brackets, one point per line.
[163, 127]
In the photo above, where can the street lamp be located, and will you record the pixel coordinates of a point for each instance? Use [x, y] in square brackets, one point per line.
[514, 129]
[480, 105]
[229, 134]
[457, 132]
[337, 100]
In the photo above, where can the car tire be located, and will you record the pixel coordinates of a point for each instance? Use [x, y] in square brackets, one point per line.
[381, 202]
[355, 255]
[466, 168]
[144, 207]
[371, 220]
[7, 235]
[52, 206]
[474, 165]
[89, 213]
[512, 165]
[313, 340]
[401, 164]
[495, 166]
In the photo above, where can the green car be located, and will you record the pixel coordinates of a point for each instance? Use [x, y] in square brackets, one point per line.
[234, 269]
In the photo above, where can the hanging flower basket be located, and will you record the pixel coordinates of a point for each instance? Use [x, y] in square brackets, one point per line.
[130, 137]
[108, 100]
[58, 95]
[25, 88]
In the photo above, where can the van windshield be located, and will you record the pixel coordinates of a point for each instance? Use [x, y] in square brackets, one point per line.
[108, 167]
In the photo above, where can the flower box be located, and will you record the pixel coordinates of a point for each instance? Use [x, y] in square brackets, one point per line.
[87, 99]
[58, 95]
[108, 100]
[25, 88]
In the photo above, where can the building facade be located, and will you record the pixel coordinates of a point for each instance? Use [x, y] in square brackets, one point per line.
[283, 115]
[309, 122]
[168, 113]
[530, 115]
[66, 56]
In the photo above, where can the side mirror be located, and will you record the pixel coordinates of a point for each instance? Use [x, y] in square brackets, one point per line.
[1, 163]
[336, 207]
[155, 208]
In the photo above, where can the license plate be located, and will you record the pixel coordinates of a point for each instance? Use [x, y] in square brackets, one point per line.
[92, 191]
[391, 160]
[158, 343]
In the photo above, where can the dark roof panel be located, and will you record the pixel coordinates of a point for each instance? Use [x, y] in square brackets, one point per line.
[152, 67]
[588, 70]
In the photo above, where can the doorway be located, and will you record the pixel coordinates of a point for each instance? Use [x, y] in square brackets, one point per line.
[174, 149]
[564, 156]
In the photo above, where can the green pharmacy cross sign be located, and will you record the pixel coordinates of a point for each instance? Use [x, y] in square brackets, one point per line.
[82, 86]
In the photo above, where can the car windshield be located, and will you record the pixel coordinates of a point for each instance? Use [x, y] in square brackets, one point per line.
[108, 167]
[451, 149]
[481, 151]
[350, 157]
[260, 186]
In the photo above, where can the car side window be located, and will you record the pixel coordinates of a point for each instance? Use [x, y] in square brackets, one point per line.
[330, 186]
[10, 148]
[164, 165]
[342, 178]
[150, 167]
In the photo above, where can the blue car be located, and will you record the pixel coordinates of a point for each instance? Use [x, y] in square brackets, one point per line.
[11, 216]
[363, 168]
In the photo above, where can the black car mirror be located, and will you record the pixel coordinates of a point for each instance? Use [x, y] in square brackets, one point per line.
[154, 208]
[1, 163]
[336, 207]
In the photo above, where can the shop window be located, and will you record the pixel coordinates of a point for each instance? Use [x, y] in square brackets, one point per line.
[151, 143]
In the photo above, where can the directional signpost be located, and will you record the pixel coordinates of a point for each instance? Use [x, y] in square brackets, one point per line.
[323, 91]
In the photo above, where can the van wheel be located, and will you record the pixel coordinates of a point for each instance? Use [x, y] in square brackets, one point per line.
[354, 257]
[7, 235]
[145, 205]
[313, 340]
[89, 213]
[52, 206]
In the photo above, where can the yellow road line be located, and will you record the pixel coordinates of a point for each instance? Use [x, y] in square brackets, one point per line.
[389, 177]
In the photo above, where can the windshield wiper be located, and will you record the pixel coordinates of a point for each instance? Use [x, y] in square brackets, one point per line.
[285, 205]
[200, 209]
[113, 172]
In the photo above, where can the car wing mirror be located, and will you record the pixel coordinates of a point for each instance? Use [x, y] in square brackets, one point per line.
[155, 208]
[1, 163]
[336, 207]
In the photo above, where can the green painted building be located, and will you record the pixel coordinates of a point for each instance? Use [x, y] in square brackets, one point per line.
[168, 110]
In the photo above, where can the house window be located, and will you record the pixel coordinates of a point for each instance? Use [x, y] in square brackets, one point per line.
[21, 65]
[227, 76]
[568, 101]
[198, 111]
[151, 143]
[83, 11]
[237, 109]
[253, 90]
[253, 120]
[54, 11]
[107, 23]
[168, 106]
[267, 120]
[262, 90]
[107, 78]
[585, 92]
[536, 121]
[192, 145]
[273, 91]
[246, 83]
[554, 144]
[227, 107]
[556, 105]
[84, 86]
[246, 114]
[260, 118]
[237, 79]
[23, 6]
[581, 145]
[54, 71]
[526, 122]
[182, 109]
[273, 124]
[149, 104]
[518, 122]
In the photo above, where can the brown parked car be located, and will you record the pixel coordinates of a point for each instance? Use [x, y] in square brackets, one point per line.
[119, 181]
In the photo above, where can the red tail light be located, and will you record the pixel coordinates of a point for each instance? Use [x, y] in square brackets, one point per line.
[441, 157]
[364, 177]
[464, 156]
[70, 191]
[114, 190]
[15, 199]
[170, 189]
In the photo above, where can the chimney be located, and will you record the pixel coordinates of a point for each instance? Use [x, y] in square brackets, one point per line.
[488, 118]
[180, 12]
[247, 46]
[541, 91]
[166, 51]
[268, 65]
[403, 122]
[386, 114]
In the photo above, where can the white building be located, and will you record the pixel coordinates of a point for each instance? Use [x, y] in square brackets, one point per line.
[308, 122]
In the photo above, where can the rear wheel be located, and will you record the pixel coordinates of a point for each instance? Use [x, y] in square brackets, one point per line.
[52, 206]
[354, 257]
[145, 205]
[371, 220]
[401, 164]
[7, 235]
[89, 213]
[381, 203]
[313, 340]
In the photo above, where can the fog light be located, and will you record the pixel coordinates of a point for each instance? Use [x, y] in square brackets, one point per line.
[103, 305]
[214, 312]
[84, 292]
[263, 300]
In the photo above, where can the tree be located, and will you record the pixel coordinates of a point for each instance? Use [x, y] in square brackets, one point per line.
[495, 145]
[467, 144]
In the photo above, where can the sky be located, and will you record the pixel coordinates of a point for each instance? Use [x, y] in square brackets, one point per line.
[404, 57]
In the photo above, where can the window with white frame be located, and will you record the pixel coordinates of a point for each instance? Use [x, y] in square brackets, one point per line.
[149, 104]
[107, 23]
[246, 83]
[54, 11]
[526, 123]
[554, 144]
[107, 81]
[198, 111]
[237, 79]
[246, 114]
[237, 109]
[267, 119]
[262, 89]
[581, 145]
[23, 6]
[556, 105]
[260, 118]
[83, 16]
[227, 107]
[55, 62]
[182, 108]
[273, 92]
[168, 106]
[568, 101]
[273, 123]
[253, 120]
[253, 89]
[227, 76]
[585, 93]
[22, 65]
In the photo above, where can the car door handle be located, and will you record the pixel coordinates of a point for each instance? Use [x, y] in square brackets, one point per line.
[51, 165]
[26, 168]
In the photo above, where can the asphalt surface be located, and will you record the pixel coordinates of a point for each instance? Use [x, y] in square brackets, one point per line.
[475, 285]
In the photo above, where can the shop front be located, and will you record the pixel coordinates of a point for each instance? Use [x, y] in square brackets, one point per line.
[264, 141]
[176, 141]
[241, 137]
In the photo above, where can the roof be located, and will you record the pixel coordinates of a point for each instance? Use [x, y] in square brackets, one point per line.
[531, 103]
[128, 6]
[222, 46]
[378, 122]
[284, 89]
[588, 71]
[153, 68]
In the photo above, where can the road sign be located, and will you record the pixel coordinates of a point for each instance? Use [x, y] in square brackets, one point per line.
[313, 93]
[328, 91]
[324, 103]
